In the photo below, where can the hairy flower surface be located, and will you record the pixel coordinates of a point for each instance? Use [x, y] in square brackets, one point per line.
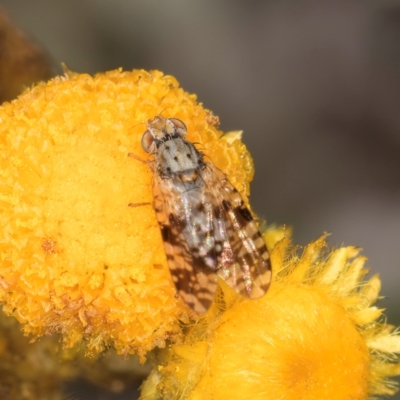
[315, 335]
[75, 258]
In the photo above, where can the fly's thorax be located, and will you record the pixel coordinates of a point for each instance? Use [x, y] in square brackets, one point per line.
[178, 157]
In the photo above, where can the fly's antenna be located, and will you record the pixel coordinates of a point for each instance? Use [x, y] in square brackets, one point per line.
[166, 108]
[140, 123]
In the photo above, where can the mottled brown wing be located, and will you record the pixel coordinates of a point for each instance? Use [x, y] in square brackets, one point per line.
[195, 282]
[244, 262]
[208, 232]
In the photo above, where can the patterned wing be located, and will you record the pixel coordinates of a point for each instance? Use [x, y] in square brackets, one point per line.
[243, 262]
[208, 232]
[196, 282]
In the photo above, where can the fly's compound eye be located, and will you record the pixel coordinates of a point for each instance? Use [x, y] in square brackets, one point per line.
[179, 126]
[148, 142]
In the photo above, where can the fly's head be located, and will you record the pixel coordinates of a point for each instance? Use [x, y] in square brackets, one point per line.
[160, 130]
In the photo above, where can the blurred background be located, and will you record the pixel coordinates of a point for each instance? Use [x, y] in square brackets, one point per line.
[314, 85]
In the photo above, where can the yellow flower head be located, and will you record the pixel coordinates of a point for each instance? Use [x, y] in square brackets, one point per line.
[314, 336]
[75, 258]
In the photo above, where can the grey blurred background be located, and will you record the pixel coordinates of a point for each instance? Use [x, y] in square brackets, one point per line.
[314, 85]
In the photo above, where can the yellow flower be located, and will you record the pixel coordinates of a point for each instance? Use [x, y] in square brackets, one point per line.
[314, 336]
[75, 258]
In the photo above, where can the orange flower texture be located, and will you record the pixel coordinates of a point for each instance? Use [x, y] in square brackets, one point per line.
[77, 260]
